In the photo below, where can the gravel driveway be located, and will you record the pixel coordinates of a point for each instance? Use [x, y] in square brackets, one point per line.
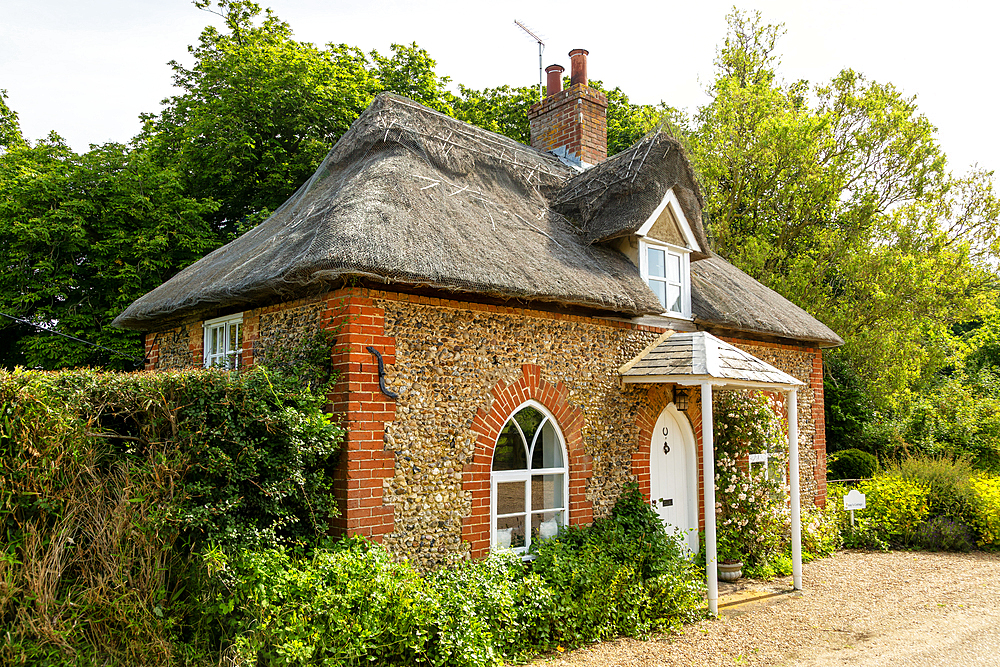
[857, 608]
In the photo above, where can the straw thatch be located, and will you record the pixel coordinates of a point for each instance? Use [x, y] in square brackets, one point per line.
[725, 297]
[616, 197]
[412, 197]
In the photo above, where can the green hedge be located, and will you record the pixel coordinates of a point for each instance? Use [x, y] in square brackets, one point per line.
[113, 483]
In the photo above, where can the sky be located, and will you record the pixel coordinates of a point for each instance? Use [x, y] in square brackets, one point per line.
[88, 68]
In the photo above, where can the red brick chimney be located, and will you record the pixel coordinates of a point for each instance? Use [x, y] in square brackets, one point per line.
[573, 119]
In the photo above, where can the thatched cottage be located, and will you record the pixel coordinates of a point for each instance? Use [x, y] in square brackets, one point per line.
[522, 330]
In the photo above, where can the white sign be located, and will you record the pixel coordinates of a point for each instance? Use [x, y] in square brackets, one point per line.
[854, 500]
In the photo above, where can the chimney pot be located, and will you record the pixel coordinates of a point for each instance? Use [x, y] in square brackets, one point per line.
[578, 66]
[553, 84]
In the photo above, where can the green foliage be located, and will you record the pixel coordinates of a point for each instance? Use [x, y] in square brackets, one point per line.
[985, 514]
[895, 508]
[350, 603]
[112, 483]
[503, 110]
[259, 110]
[851, 464]
[837, 197]
[821, 530]
[10, 126]
[949, 482]
[751, 512]
[622, 576]
[81, 237]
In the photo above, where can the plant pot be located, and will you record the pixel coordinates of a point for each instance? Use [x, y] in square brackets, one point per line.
[730, 571]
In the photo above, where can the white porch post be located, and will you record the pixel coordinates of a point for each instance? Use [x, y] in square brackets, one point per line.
[708, 479]
[793, 486]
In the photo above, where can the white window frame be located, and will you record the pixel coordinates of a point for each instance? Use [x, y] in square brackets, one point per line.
[227, 358]
[525, 475]
[684, 255]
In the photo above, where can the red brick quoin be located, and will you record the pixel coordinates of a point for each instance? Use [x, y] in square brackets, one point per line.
[486, 429]
[364, 463]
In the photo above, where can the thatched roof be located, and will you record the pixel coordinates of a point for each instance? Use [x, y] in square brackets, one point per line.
[723, 296]
[411, 196]
[615, 197]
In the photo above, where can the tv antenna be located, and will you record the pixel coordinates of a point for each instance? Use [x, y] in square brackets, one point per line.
[541, 47]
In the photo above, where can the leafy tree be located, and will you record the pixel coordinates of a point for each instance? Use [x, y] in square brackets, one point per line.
[503, 110]
[259, 110]
[10, 127]
[838, 198]
[81, 237]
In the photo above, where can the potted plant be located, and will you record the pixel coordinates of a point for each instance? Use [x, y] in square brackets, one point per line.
[730, 566]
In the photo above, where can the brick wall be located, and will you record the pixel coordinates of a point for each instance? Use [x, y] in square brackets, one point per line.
[573, 119]
[414, 472]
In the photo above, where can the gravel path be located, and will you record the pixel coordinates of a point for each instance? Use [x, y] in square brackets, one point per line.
[857, 608]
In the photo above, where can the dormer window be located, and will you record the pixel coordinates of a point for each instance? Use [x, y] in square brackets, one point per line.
[666, 269]
[666, 242]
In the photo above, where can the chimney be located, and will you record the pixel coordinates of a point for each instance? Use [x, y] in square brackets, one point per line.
[571, 122]
[553, 84]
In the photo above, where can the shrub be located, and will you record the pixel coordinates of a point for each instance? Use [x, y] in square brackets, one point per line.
[351, 604]
[821, 530]
[985, 515]
[943, 533]
[895, 508]
[345, 605]
[493, 608]
[621, 576]
[949, 482]
[851, 464]
[113, 482]
[750, 506]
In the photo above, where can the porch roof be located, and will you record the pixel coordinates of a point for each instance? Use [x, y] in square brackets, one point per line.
[696, 357]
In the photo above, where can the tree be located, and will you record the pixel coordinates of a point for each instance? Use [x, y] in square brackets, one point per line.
[81, 237]
[844, 205]
[259, 110]
[10, 126]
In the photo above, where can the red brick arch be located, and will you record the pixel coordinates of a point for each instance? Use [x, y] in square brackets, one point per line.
[486, 429]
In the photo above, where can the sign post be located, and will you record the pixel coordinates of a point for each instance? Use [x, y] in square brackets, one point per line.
[854, 500]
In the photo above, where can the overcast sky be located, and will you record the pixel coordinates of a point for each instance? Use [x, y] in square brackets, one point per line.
[88, 68]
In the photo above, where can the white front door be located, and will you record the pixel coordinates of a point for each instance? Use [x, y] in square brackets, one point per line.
[673, 470]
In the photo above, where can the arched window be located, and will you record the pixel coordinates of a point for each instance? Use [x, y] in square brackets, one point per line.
[528, 482]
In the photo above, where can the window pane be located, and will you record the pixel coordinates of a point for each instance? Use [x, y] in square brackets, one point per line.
[673, 301]
[529, 419]
[510, 532]
[510, 497]
[546, 492]
[545, 524]
[660, 290]
[234, 337]
[216, 342]
[510, 452]
[656, 262]
[673, 267]
[547, 452]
